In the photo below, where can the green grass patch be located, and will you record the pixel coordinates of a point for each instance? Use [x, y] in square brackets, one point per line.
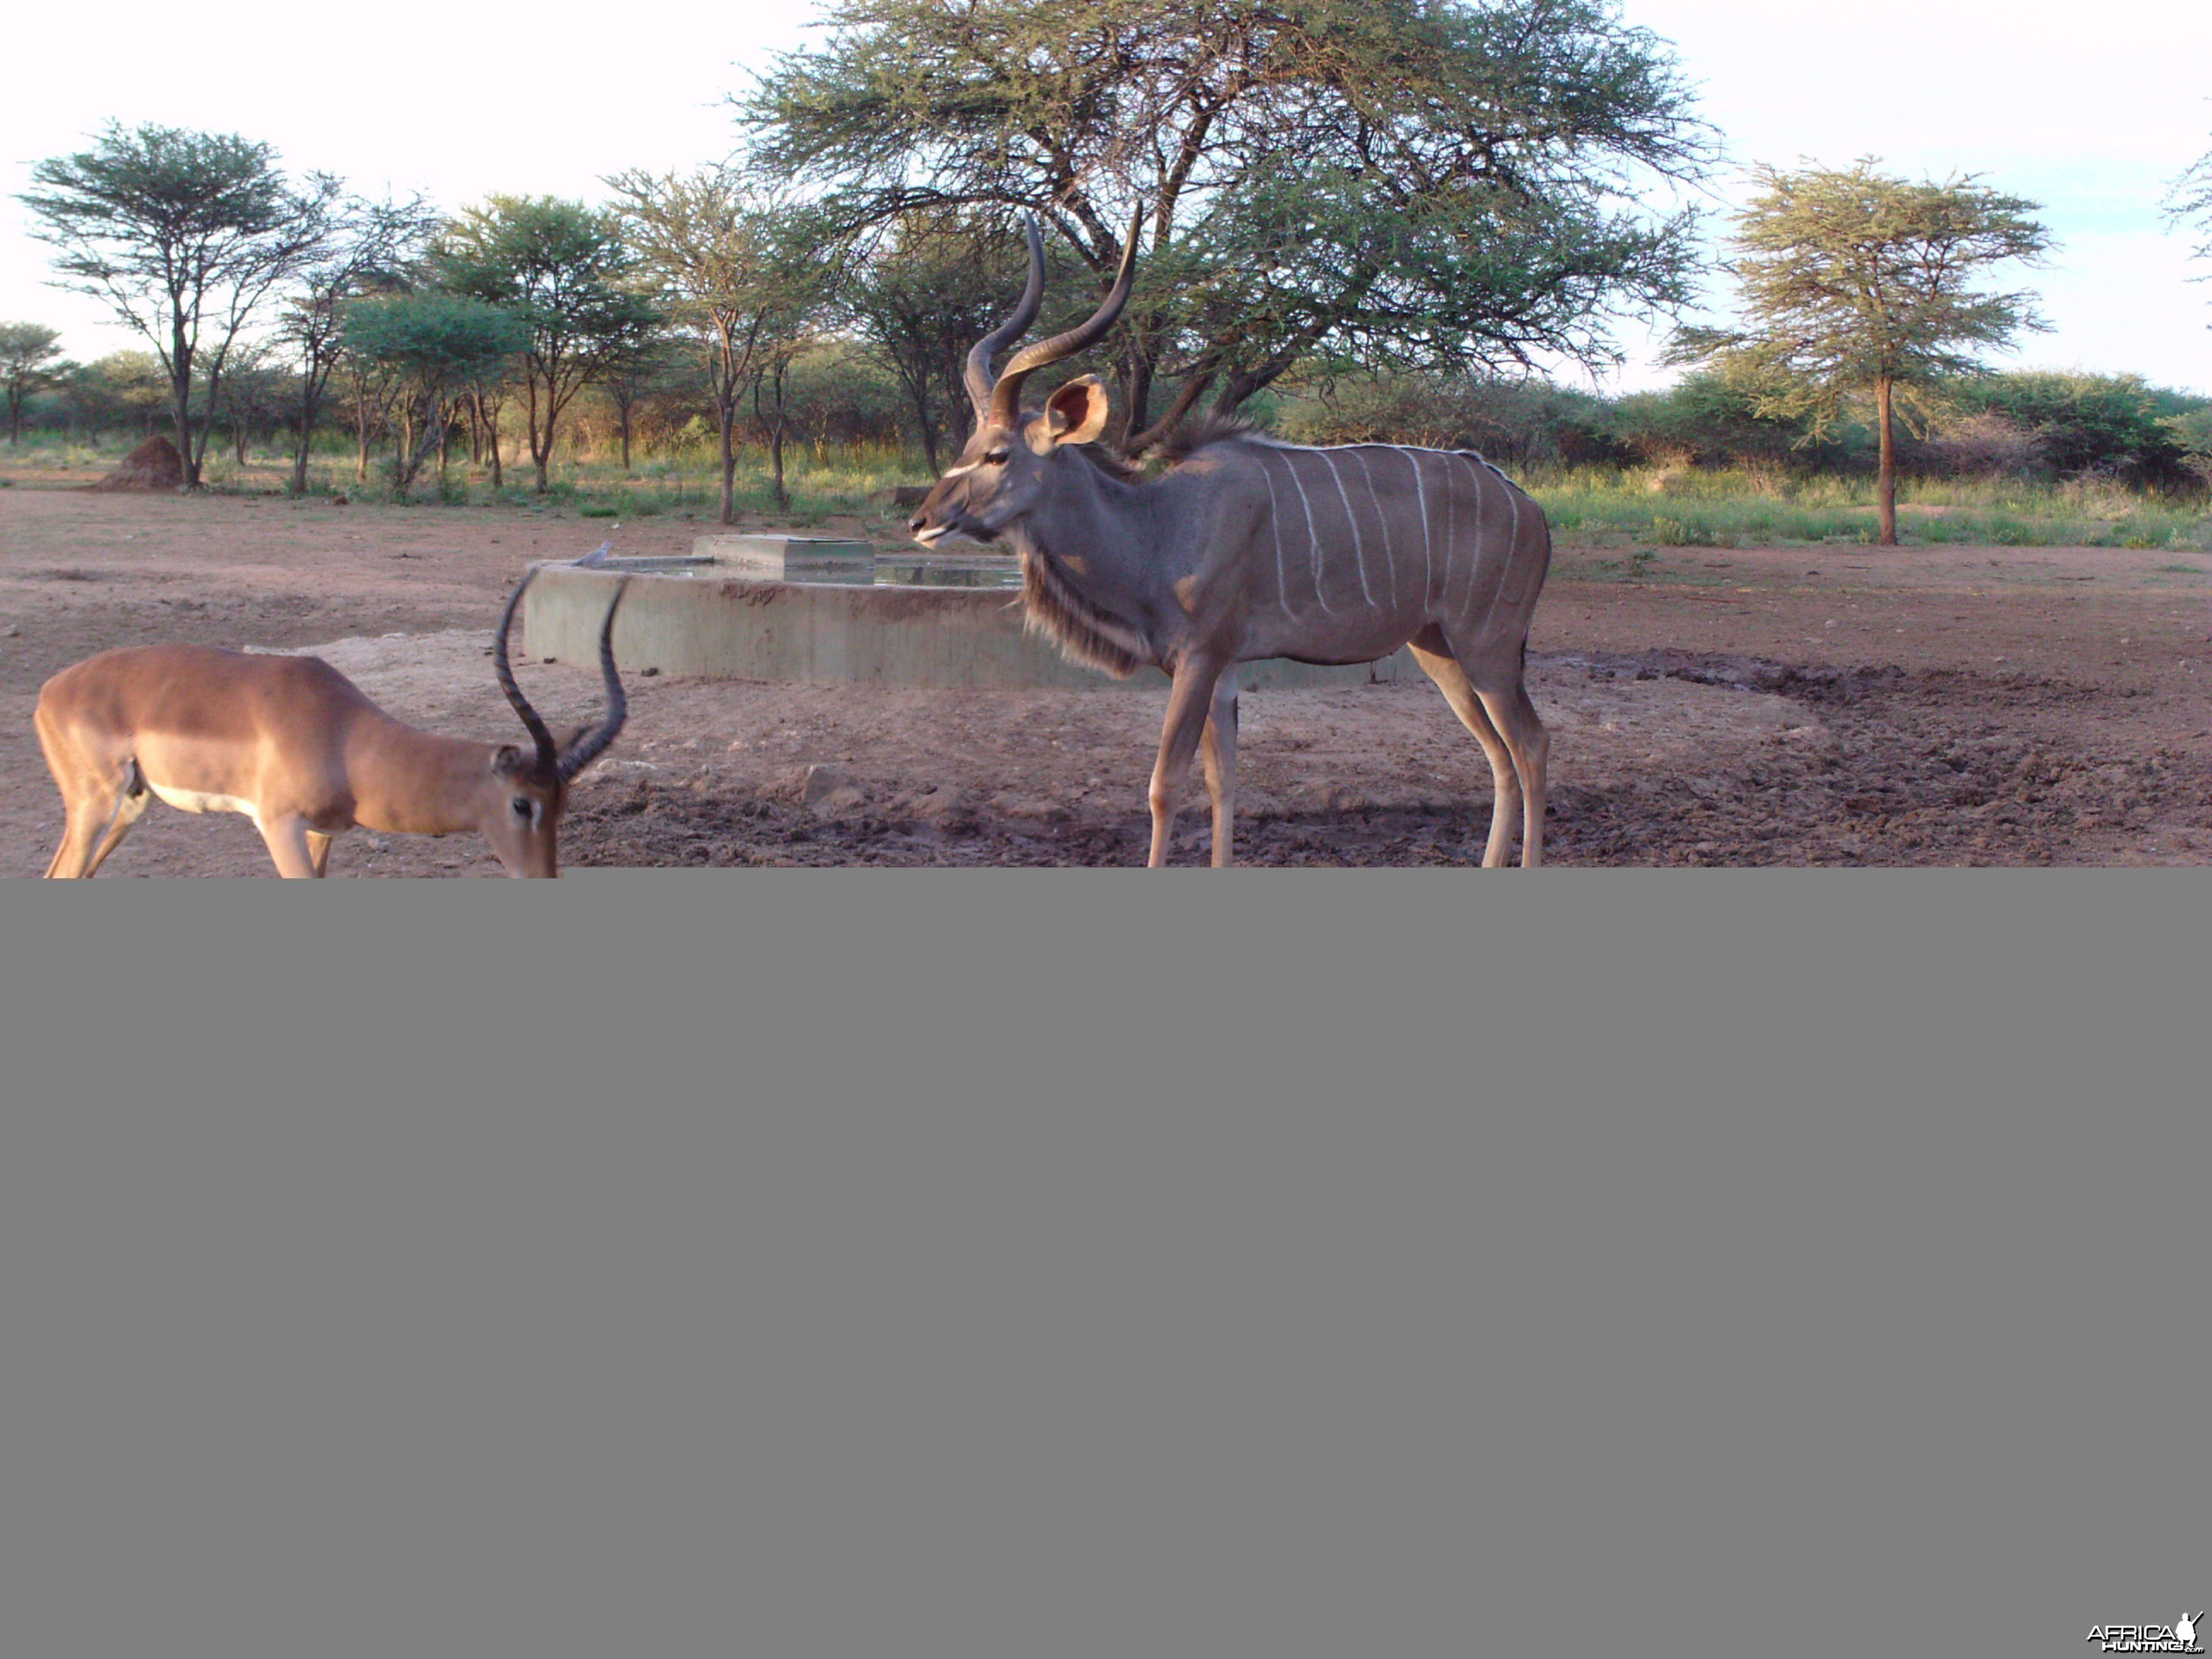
[1684, 508]
[1606, 508]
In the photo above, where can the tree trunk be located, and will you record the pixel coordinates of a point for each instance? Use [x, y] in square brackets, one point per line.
[180, 398]
[924, 418]
[299, 454]
[541, 445]
[403, 474]
[726, 415]
[198, 458]
[774, 430]
[1886, 485]
[360, 430]
[183, 425]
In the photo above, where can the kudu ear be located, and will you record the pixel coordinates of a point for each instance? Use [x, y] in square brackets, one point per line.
[1076, 413]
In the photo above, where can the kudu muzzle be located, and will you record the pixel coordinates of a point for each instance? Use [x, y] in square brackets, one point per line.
[945, 512]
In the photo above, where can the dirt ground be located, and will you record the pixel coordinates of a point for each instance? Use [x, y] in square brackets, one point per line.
[1839, 705]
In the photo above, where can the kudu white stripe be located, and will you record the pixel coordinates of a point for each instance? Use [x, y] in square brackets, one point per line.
[1358, 548]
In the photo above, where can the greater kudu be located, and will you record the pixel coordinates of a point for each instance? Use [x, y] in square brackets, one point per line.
[1247, 547]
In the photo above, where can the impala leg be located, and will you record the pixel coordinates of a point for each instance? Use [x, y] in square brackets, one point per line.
[1188, 699]
[73, 857]
[84, 804]
[1504, 781]
[130, 805]
[88, 799]
[286, 841]
[131, 799]
[319, 852]
[1218, 749]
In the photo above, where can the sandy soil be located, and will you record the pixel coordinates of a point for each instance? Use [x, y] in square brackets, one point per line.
[1833, 705]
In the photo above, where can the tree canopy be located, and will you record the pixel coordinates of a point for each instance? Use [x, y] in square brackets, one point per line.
[435, 345]
[184, 236]
[30, 361]
[371, 247]
[561, 270]
[934, 282]
[1858, 283]
[1435, 183]
[2188, 204]
[739, 273]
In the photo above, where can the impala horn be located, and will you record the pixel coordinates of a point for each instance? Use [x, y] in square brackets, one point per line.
[980, 355]
[1007, 395]
[588, 747]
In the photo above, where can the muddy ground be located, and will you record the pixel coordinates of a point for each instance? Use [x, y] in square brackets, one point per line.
[1824, 706]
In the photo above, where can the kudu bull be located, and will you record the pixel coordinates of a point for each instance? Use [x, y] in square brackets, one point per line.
[1247, 547]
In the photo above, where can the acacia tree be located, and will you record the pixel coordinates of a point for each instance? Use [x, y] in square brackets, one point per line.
[184, 236]
[935, 283]
[1857, 284]
[30, 361]
[631, 376]
[723, 261]
[125, 388]
[1435, 183]
[561, 270]
[371, 245]
[435, 346]
[255, 391]
[2189, 202]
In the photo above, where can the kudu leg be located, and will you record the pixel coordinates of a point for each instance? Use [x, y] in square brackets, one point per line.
[319, 852]
[1531, 748]
[1218, 749]
[1504, 781]
[1189, 698]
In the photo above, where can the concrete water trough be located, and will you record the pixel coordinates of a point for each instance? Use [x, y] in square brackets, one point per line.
[810, 611]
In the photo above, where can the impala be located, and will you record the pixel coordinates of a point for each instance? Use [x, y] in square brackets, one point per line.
[1247, 547]
[294, 746]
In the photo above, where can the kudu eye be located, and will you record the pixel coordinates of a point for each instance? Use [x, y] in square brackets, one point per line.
[997, 457]
[521, 804]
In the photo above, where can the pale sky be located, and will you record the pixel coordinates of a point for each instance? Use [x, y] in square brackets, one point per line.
[2089, 113]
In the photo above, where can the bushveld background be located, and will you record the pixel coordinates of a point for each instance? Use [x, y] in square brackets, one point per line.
[2011, 460]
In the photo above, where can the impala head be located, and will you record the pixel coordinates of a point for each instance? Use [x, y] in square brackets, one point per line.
[525, 792]
[1008, 464]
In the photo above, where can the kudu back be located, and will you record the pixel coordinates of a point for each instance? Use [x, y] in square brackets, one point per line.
[1246, 548]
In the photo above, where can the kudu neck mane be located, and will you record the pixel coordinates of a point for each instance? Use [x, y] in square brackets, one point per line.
[1086, 628]
[1072, 611]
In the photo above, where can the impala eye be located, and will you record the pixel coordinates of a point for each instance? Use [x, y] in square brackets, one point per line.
[521, 804]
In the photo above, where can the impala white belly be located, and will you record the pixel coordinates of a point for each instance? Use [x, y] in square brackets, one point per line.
[197, 800]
